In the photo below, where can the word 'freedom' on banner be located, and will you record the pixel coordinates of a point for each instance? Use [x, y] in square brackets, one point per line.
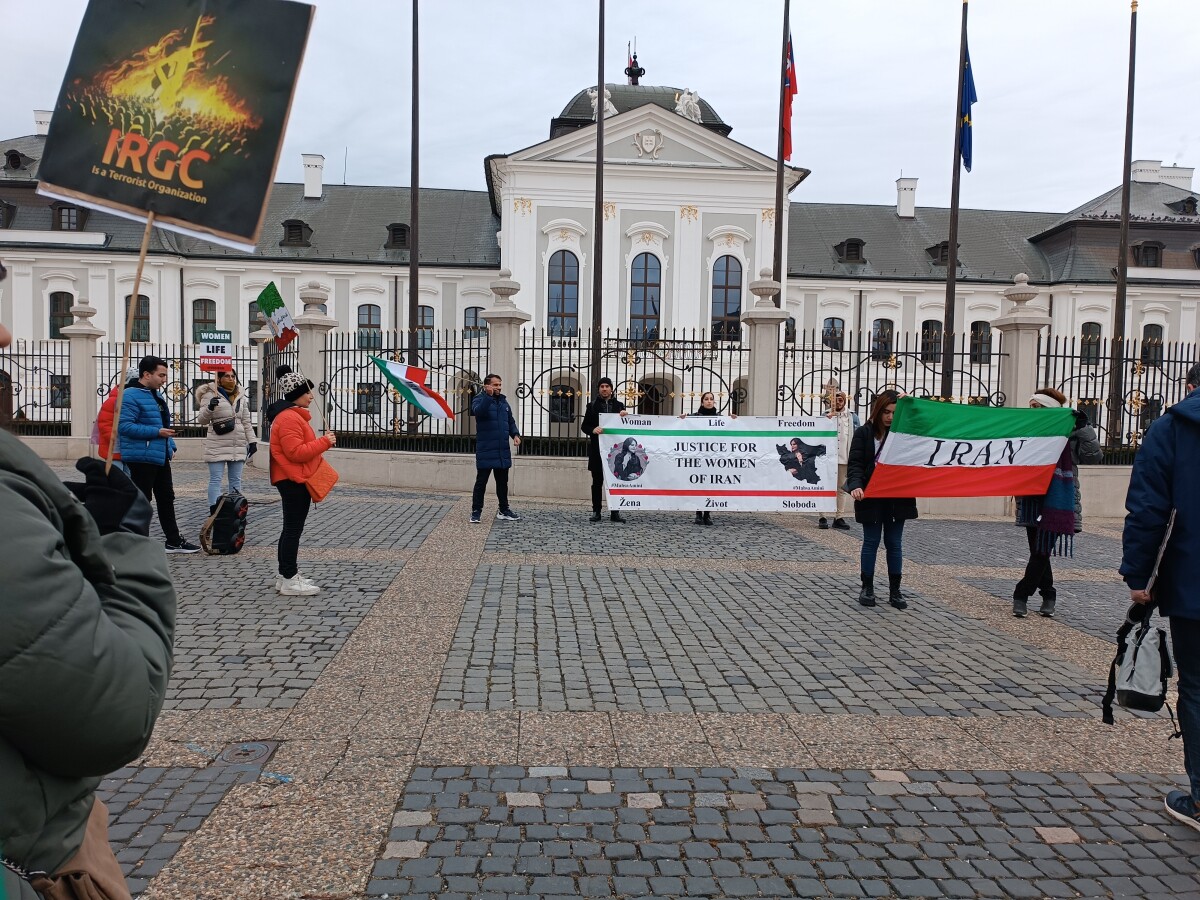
[177, 107]
[748, 464]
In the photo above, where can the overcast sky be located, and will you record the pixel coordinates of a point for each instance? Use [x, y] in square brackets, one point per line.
[876, 78]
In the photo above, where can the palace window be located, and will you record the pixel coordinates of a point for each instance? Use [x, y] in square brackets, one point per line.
[981, 343]
[645, 297]
[60, 313]
[931, 341]
[563, 294]
[851, 250]
[296, 234]
[1089, 344]
[881, 339]
[368, 398]
[939, 253]
[7, 213]
[727, 299]
[789, 330]
[1152, 345]
[370, 333]
[832, 333]
[424, 327]
[252, 323]
[204, 317]
[1147, 254]
[141, 317]
[66, 217]
[474, 324]
[561, 403]
[397, 237]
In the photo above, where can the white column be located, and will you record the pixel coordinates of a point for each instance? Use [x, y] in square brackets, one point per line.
[762, 322]
[83, 336]
[313, 325]
[1019, 371]
[504, 332]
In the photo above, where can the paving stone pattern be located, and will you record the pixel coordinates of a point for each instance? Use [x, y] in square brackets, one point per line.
[1094, 607]
[719, 832]
[962, 542]
[152, 811]
[561, 638]
[238, 643]
[654, 534]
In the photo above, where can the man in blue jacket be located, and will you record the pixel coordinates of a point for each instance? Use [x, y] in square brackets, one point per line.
[1166, 477]
[148, 444]
[494, 425]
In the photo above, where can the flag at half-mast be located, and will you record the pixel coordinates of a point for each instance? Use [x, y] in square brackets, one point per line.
[409, 381]
[279, 320]
[789, 90]
[953, 450]
[964, 109]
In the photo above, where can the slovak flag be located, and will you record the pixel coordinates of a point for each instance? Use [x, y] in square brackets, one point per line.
[628, 63]
[789, 90]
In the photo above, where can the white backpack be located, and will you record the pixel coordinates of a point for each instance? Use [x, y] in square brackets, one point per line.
[1142, 667]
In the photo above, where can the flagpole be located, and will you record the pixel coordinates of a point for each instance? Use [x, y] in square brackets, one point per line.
[598, 223]
[414, 256]
[777, 272]
[1116, 370]
[952, 258]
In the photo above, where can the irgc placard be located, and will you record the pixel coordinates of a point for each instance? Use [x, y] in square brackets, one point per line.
[752, 463]
[177, 107]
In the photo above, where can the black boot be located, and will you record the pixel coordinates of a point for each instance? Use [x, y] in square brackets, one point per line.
[895, 598]
[596, 517]
[708, 518]
[1020, 606]
[822, 522]
[614, 516]
[1049, 600]
[866, 594]
[699, 518]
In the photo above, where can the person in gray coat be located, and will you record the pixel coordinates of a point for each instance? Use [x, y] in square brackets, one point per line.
[1085, 449]
[230, 440]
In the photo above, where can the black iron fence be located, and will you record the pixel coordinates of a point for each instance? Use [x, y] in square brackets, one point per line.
[184, 376]
[367, 413]
[864, 364]
[35, 387]
[661, 375]
[1152, 378]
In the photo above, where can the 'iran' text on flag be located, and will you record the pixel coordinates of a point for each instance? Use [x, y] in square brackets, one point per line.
[950, 450]
[410, 382]
[279, 320]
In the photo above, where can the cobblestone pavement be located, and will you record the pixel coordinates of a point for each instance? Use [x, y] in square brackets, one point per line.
[1093, 607]
[670, 640]
[484, 831]
[555, 708]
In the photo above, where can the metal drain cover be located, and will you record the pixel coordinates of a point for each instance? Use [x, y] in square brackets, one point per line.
[247, 753]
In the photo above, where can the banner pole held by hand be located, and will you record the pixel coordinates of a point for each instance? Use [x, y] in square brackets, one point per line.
[130, 311]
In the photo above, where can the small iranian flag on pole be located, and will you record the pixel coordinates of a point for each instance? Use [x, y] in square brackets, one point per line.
[279, 320]
[410, 382]
[950, 450]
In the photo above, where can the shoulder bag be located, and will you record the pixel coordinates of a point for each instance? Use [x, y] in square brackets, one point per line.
[321, 482]
[93, 873]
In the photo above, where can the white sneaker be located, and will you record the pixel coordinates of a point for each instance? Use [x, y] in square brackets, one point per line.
[279, 580]
[297, 587]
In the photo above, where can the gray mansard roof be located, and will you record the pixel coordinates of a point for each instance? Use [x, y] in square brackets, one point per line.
[625, 97]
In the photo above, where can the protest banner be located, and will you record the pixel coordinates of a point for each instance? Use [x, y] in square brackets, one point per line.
[752, 463]
[177, 108]
[216, 351]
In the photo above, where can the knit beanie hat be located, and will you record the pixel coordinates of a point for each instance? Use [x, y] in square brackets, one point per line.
[132, 374]
[280, 371]
[294, 386]
[605, 380]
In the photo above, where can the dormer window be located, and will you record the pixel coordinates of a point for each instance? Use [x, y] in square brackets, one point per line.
[65, 217]
[296, 234]
[939, 254]
[1185, 207]
[397, 237]
[7, 213]
[12, 160]
[851, 251]
[1147, 254]
[1196, 254]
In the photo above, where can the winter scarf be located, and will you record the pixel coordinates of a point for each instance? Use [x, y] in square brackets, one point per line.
[1053, 515]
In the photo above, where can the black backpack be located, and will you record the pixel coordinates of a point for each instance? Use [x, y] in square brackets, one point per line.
[224, 532]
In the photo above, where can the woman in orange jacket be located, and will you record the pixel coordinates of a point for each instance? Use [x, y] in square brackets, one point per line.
[295, 457]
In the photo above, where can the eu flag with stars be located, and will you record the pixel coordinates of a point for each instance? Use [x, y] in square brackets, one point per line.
[964, 109]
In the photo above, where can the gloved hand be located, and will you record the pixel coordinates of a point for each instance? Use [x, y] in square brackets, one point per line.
[1081, 418]
[214, 403]
[113, 500]
[251, 449]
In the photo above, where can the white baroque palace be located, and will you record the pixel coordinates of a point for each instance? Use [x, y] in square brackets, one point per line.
[688, 219]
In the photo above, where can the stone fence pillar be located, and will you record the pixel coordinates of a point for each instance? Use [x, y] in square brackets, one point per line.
[313, 325]
[504, 334]
[1021, 327]
[83, 336]
[762, 322]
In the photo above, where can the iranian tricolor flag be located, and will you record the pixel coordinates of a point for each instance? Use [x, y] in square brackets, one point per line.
[410, 382]
[950, 450]
[279, 320]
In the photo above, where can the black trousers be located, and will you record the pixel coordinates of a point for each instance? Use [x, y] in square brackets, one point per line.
[597, 491]
[481, 480]
[1038, 574]
[155, 483]
[296, 503]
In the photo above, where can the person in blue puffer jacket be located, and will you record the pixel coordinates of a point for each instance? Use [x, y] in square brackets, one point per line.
[494, 425]
[148, 445]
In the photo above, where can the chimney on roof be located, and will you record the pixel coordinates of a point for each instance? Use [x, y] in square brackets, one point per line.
[1177, 176]
[906, 198]
[1146, 170]
[314, 171]
[41, 121]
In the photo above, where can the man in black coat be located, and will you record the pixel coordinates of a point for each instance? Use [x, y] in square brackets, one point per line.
[605, 403]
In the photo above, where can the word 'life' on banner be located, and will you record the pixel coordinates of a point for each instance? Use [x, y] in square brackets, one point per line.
[177, 107]
[751, 464]
[216, 351]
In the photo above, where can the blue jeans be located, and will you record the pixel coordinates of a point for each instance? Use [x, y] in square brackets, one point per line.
[1185, 641]
[892, 534]
[216, 470]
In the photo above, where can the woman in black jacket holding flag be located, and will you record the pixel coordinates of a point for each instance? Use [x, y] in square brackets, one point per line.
[881, 517]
